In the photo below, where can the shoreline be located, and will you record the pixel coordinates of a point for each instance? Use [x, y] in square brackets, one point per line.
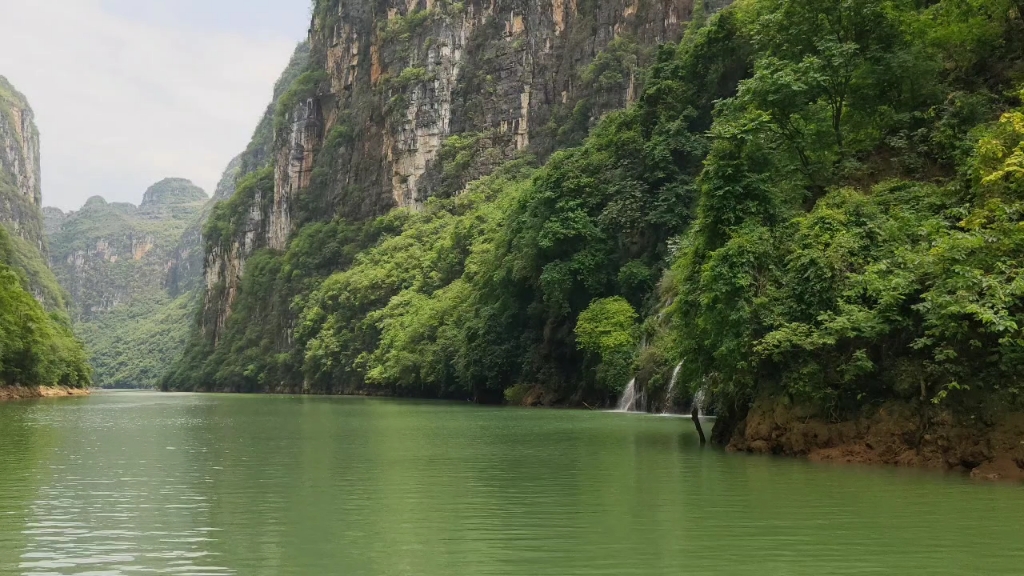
[12, 393]
[894, 434]
[890, 435]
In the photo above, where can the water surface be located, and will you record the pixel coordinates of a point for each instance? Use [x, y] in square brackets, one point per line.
[130, 483]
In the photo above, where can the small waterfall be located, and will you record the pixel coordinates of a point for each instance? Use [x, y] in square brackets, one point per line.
[632, 398]
[672, 387]
[698, 401]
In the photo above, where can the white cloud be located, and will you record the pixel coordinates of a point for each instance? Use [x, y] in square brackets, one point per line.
[122, 103]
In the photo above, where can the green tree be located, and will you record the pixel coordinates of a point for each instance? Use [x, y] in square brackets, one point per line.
[607, 332]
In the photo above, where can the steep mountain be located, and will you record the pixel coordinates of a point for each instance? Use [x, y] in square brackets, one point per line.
[21, 195]
[116, 262]
[807, 217]
[399, 102]
[20, 190]
[37, 347]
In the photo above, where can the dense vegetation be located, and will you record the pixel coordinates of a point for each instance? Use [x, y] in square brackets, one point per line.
[114, 260]
[37, 347]
[822, 199]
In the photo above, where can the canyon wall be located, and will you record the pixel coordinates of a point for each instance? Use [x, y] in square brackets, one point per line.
[21, 197]
[20, 190]
[37, 346]
[400, 101]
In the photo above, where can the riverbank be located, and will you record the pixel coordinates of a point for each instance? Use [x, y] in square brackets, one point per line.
[896, 433]
[26, 392]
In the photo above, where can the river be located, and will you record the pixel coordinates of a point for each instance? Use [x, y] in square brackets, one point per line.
[137, 482]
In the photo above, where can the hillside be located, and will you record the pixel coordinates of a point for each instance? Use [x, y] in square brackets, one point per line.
[37, 347]
[394, 104]
[810, 204]
[114, 261]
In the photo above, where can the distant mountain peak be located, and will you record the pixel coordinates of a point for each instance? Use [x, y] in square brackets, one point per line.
[95, 201]
[173, 191]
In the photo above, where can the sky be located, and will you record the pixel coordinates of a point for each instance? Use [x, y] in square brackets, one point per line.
[127, 92]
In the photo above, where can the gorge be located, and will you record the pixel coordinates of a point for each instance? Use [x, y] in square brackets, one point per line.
[808, 213]
[512, 287]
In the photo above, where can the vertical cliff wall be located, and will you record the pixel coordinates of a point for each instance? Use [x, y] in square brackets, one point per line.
[21, 198]
[20, 192]
[403, 100]
[37, 347]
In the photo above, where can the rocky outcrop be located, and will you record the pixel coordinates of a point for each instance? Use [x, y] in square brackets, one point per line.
[20, 199]
[8, 393]
[404, 100]
[897, 433]
[20, 191]
[107, 254]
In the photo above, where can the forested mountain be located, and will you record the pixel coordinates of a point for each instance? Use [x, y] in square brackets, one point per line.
[816, 203]
[37, 347]
[120, 265]
[394, 104]
[134, 273]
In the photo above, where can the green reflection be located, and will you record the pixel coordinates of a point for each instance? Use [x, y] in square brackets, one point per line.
[258, 485]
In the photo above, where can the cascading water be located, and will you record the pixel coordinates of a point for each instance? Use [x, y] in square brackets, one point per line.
[632, 398]
[698, 401]
[672, 387]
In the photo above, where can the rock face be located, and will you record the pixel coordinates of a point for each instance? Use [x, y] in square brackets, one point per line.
[20, 191]
[21, 198]
[403, 100]
[896, 433]
[120, 264]
[107, 253]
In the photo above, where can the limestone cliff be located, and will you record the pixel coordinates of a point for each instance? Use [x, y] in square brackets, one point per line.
[404, 100]
[20, 191]
[185, 270]
[37, 346]
[115, 260]
[21, 197]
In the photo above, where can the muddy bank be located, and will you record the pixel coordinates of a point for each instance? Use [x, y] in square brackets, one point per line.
[896, 433]
[25, 392]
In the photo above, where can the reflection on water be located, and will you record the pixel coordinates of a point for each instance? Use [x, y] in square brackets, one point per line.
[132, 483]
[114, 496]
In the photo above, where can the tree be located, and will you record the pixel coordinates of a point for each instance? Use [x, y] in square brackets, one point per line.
[607, 332]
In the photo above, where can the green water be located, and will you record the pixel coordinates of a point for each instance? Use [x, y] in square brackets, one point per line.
[126, 483]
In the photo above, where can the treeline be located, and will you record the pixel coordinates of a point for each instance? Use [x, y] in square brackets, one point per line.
[37, 347]
[817, 198]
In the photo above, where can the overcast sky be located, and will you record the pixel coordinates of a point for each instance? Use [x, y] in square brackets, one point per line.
[127, 92]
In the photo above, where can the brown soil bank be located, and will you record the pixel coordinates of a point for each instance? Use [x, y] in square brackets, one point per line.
[24, 392]
[896, 433]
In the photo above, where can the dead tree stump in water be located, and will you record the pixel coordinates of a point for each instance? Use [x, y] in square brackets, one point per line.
[695, 416]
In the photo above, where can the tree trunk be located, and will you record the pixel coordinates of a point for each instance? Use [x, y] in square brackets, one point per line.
[695, 416]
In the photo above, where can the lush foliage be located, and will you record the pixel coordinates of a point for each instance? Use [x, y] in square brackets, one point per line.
[817, 198]
[851, 242]
[112, 258]
[606, 331]
[133, 345]
[37, 348]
